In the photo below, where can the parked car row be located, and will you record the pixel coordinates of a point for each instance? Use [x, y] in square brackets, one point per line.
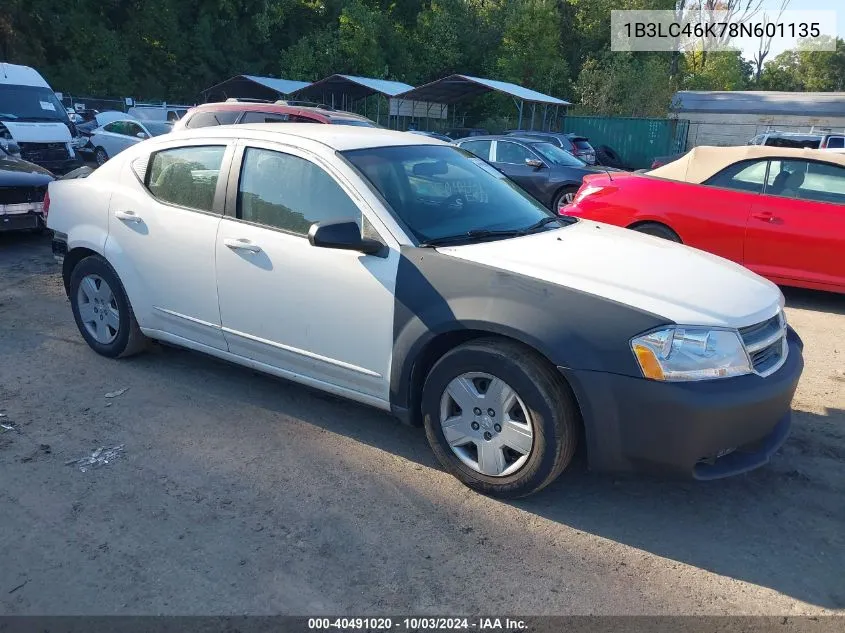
[408, 274]
[539, 166]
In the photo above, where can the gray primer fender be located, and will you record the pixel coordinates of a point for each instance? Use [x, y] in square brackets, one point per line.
[437, 293]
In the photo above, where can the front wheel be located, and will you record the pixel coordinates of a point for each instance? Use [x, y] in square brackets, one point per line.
[499, 417]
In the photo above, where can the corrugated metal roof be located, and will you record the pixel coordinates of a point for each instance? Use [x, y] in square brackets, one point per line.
[284, 86]
[760, 102]
[459, 87]
[355, 87]
[384, 86]
[239, 86]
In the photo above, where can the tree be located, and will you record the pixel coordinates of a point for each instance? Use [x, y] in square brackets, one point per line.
[722, 70]
[806, 70]
[530, 53]
[625, 84]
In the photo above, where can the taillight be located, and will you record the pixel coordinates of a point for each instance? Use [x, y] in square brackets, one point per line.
[46, 208]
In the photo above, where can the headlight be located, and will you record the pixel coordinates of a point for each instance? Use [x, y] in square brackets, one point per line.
[79, 141]
[684, 353]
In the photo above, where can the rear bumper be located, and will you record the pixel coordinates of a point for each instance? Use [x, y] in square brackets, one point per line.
[21, 221]
[703, 430]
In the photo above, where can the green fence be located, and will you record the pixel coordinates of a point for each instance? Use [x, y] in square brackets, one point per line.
[637, 141]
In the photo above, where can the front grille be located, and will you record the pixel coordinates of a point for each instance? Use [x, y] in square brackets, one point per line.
[21, 195]
[766, 345]
[44, 152]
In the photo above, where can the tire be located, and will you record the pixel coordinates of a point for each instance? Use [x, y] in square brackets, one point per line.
[563, 197]
[100, 156]
[540, 393]
[115, 332]
[608, 157]
[658, 230]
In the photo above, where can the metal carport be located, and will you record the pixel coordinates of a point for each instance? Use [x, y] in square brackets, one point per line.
[253, 87]
[455, 88]
[340, 91]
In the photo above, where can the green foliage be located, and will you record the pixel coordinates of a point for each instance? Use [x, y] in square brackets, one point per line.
[172, 49]
[820, 71]
[724, 70]
[625, 84]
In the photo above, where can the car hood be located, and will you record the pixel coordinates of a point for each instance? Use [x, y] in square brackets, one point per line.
[20, 173]
[676, 282]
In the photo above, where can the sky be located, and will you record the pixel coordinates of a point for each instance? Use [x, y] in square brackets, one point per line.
[749, 48]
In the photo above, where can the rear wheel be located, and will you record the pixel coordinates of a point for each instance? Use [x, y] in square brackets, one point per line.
[657, 230]
[499, 417]
[100, 156]
[102, 311]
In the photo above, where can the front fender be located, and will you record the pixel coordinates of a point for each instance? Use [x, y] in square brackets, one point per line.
[437, 294]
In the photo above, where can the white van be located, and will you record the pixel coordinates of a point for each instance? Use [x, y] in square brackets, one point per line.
[33, 121]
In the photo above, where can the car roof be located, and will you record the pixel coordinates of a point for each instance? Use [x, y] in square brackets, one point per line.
[278, 108]
[337, 137]
[702, 162]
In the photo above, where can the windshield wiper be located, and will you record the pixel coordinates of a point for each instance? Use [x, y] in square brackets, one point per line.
[538, 225]
[484, 233]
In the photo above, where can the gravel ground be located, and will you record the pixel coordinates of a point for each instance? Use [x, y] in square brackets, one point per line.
[238, 493]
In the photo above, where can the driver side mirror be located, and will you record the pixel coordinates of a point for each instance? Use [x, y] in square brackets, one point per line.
[141, 135]
[536, 163]
[344, 235]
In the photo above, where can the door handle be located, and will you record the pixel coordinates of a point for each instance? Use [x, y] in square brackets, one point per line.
[127, 216]
[766, 216]
[241, 244]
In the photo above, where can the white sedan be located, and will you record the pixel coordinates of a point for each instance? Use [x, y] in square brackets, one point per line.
[404, 273]
[112, 138]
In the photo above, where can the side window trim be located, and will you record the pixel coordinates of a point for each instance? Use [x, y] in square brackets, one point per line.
[218, 203]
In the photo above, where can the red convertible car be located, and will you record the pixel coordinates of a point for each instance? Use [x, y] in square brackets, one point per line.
[778, 211]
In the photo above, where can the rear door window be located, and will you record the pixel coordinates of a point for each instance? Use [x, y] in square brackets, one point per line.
[186, 176]
[836, 142]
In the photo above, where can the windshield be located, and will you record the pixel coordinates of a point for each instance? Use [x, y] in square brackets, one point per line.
[158, 128]
[557, 156]
[439, 191]
[30, 103]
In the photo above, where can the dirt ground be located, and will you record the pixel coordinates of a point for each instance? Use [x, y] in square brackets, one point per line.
[243, 494]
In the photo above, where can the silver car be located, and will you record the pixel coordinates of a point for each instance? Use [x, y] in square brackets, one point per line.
[114, 137]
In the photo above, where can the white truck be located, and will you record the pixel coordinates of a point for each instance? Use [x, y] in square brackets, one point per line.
[33, 123]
